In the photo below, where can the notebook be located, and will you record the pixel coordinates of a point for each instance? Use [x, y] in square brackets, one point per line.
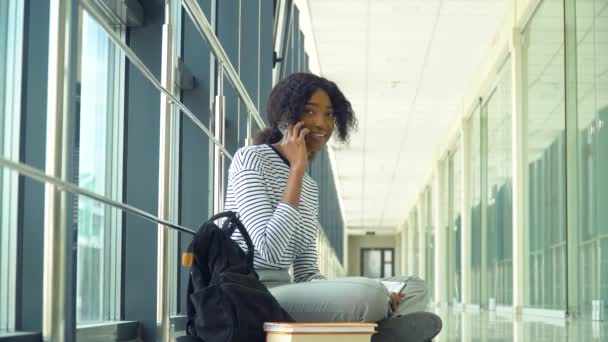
[393, 286]
[319, 332]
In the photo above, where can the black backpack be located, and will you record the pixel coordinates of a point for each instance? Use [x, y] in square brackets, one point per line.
[226, 301]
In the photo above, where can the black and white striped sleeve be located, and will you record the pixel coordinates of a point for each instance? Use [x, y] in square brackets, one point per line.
[305, 267]
[272, 231]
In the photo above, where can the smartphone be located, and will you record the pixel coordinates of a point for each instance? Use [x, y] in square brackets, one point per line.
[283, 127]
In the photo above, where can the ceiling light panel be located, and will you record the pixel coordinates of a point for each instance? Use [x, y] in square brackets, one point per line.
[405, 66]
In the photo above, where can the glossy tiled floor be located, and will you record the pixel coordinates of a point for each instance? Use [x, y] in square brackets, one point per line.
[490, 326]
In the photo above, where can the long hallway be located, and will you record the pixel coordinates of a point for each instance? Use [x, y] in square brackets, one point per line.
[463, 142]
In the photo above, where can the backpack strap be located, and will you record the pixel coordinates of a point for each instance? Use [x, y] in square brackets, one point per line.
[232, 223]
[222, 215]
[190, 310]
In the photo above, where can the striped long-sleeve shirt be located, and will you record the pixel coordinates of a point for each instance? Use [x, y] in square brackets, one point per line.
[282, 234]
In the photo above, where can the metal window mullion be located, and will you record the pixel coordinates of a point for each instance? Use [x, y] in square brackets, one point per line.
[212, 87]
[117, 180]
[175, 166]
[61, 32]
[165, 179]
[218, 160]
[10, 129]
[108, 245]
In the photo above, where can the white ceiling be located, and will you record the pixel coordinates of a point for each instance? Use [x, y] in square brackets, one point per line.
[405, 65]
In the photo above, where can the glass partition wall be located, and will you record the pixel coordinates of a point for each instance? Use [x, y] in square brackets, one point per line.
[544, 110]
[455, 234]
[592, 163]
[499, 222]
[475, 126]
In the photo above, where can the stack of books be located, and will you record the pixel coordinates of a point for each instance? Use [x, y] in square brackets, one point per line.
[319, 332]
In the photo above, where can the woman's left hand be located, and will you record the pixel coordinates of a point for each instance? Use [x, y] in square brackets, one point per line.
[395, 299]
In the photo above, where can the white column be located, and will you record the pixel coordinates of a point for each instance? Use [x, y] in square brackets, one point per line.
[441, 247]
[411, 227]
[449, 229]
[422, 235]
[404, 249]
[345, 250]
[572, 175]
[520, 173]
[484, 204]
[465, 141]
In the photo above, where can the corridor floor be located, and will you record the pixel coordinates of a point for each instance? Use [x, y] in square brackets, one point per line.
[491, 326]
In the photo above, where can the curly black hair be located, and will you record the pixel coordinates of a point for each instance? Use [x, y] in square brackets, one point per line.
[290, 95]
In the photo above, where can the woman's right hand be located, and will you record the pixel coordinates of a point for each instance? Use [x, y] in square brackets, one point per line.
[395, 300]
[293, 146]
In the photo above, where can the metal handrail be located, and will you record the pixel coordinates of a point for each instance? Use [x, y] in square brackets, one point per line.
[61, 185]
[204, 28]
[139, 64]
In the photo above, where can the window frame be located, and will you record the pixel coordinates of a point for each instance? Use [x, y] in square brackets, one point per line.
[110, 306]
[10, 149]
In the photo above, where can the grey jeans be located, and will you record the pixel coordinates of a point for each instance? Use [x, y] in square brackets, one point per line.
[350, 299]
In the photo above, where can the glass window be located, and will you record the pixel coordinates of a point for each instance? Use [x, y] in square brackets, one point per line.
[371, 262]
[544, 110]
[195, 174]
[475, 209]
[445, 224]
[388, 263]
[430, 242]
[174, 236]
[249, 65]
[100, 165]
[11, 30]
[601, 155]
[455, 180]
[415, 224]
[377, 263]
[499, 191]
[229, 34]
[592, 105]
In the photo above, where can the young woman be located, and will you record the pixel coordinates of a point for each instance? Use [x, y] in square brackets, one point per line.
[277, 202]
